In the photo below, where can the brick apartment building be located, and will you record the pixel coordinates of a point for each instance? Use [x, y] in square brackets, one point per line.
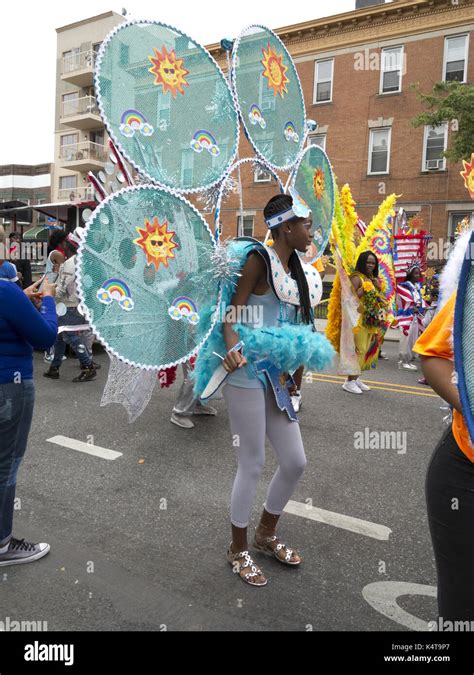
[356, 70]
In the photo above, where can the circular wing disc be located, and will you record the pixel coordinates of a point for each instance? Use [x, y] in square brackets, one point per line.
[144, 273]
[269, 96]
[314, 181]
[464, 338]
[167, 105]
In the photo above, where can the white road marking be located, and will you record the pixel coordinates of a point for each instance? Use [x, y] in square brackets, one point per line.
[383, 595]
[339, 520]
[89, 449]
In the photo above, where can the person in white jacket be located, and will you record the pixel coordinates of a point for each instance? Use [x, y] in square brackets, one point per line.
[71, 323]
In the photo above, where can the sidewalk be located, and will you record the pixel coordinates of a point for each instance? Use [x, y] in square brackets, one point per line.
[392, 335]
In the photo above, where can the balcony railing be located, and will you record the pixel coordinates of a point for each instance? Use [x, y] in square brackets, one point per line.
[75, 194]
[80, 61]
[83, 151]
[86, 105]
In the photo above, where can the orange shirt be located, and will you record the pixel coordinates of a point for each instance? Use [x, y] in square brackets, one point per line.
[437, 340]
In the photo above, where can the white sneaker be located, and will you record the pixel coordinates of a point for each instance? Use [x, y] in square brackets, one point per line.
[351, 387]
[383, 356]
[405, 366]
[202, 409]
[183, 421]
[362, 386]
[296, 402]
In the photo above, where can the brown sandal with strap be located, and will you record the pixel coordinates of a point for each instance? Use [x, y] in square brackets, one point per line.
[273, 546]
[241, 562]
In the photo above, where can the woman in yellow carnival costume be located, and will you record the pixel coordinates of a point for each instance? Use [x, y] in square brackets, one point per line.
[370, 330]
[362, 301]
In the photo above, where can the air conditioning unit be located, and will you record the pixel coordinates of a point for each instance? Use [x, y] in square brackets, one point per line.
[434, 164]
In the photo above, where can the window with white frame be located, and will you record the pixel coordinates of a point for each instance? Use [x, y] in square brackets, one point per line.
[69, 139]
[260, 175]
[71, 60]
[247, 229]
[455, 58]
[457, 217]
[97, 137]
[317, 140]
[435, 143]
[391, 71]
[67, 182]
[68, 146]
[323, 79]
[379, 150]
[70, 103]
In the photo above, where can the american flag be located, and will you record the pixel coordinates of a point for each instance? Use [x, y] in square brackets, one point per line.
[362, 226]
[406, 248]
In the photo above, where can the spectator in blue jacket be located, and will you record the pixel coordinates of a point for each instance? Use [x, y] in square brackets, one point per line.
[27, 321]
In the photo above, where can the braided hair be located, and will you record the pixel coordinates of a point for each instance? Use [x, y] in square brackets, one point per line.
[277, 205]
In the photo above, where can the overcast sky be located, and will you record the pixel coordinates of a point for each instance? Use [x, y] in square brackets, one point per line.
[28, 51]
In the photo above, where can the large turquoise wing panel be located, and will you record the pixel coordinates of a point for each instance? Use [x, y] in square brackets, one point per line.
[167, 105]
[269, 96]
[144, 273]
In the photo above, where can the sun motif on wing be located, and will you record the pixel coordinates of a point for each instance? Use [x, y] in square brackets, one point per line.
[468, 175]
[168, 71]
[318, 183]
[275, 71]
[156, 242]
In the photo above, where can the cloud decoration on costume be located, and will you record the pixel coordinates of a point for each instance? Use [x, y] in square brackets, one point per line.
[133, 121]
[300, 206]
[184, 308]
[204, 140]
[290, 133]
[116, 289]
[256, 117]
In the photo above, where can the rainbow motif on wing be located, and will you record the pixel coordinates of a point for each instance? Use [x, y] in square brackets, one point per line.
[133, 121]
[115, 289]
[290, 133]
[256, 117]
[184, 308]
[204, 140]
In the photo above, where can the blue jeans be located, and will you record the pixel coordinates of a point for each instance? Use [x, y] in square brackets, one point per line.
[16, 412]
[71, 318]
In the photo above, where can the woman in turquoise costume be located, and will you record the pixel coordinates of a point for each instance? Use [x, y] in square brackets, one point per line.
[279, 292]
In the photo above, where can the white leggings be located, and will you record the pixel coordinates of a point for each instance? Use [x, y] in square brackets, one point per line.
[253, 413]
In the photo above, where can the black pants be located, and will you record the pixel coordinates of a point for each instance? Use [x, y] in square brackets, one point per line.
[450, 500]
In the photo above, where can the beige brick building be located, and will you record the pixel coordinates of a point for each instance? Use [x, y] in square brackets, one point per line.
[80, 138]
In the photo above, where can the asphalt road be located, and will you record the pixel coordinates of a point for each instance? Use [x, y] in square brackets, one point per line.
[139, 543]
